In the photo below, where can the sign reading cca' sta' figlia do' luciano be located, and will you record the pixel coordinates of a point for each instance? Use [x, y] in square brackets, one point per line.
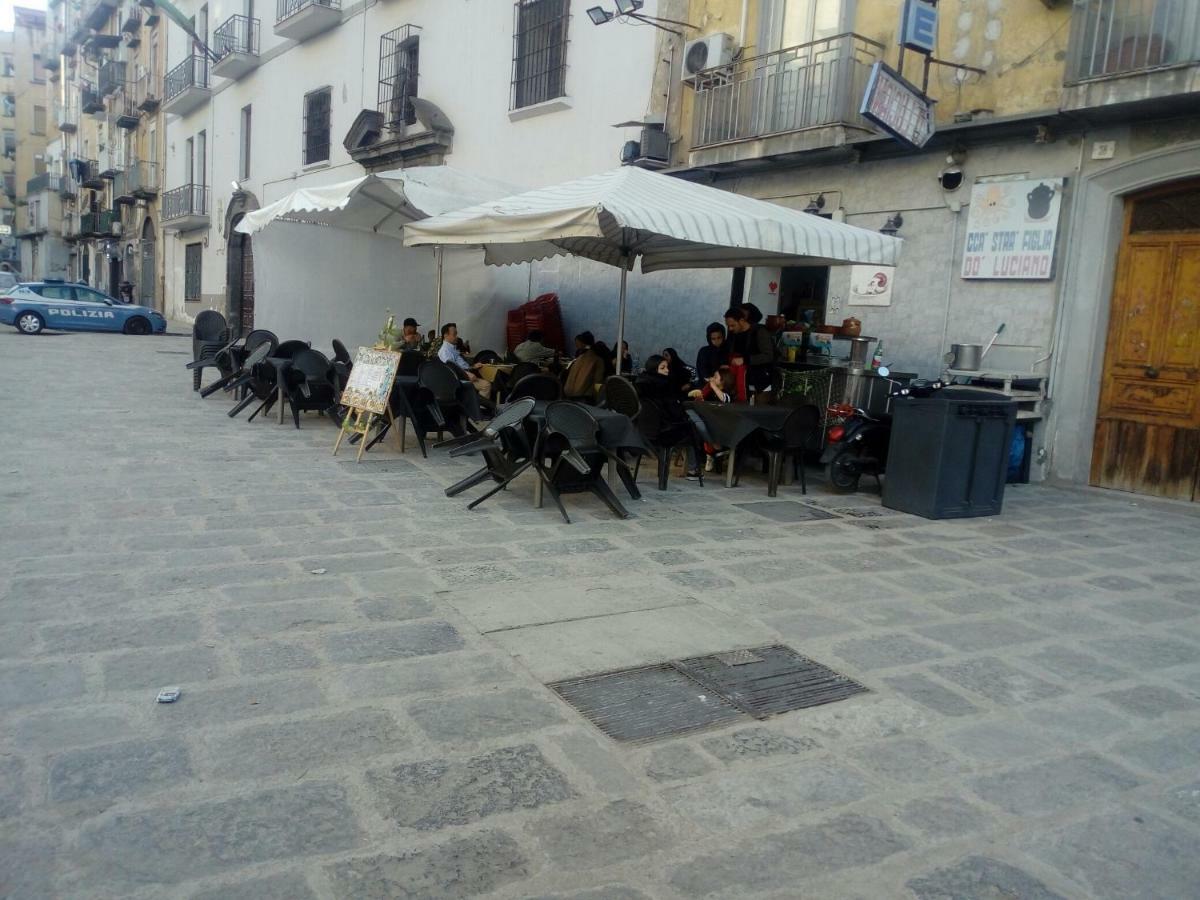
[1012, 229]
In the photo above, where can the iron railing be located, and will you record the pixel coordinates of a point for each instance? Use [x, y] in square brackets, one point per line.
[189, 200]
[1119, 37]
[97, 223]
[90, 100]
[141, 178]
[807, 86]
[191, 73]
[111, 78]
[399, 60]
[147, 91]
[285, 9]
[238, 34]
[66, 114]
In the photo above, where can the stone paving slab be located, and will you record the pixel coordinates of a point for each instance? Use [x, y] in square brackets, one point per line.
[383, 730]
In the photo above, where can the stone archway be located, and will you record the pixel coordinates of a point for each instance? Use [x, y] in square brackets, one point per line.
[239, 264]
[1097, 218]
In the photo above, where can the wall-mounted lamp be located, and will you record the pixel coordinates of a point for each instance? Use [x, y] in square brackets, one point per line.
[892, 225]
[816, 205]
[629, 8]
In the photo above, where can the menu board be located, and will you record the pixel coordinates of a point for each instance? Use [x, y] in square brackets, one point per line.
[371, 380]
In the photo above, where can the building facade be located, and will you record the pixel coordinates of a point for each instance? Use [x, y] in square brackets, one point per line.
[304, 94]
[25, 122]
[98, 198]
[1080, 117]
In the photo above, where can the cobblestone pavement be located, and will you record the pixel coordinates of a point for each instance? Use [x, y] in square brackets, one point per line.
[382, 730]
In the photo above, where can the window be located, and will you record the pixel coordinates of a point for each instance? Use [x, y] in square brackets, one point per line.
[316, 125]
[189, 160]
[399, 59]
[10, 144]
[87, 295]
[539, 51]
[39, 74]
[244, 144]
[191, 271]
[10, 185]
[201, 176]
[39, 120]
[9, 68]
[56, 292]
[10, 106]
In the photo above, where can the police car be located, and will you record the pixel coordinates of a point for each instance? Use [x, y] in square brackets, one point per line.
[37, 305]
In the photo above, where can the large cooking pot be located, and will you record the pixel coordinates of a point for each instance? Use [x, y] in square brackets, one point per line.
[967, 357]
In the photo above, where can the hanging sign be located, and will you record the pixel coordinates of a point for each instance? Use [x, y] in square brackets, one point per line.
[871, 285]
[1012, 227]
[897, 106]
[366, 395]
[919, 26]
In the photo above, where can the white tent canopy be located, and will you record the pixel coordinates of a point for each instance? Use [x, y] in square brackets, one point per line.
[382, 203]
[670, 223]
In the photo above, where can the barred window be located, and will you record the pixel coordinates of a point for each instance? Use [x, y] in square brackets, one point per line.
[316, 125]
[539, 51]
[399, 62]
[191, 271]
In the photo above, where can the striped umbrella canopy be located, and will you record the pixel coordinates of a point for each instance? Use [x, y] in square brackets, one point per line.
[627, 214]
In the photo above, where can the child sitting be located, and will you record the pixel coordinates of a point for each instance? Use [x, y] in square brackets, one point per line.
[718, 388]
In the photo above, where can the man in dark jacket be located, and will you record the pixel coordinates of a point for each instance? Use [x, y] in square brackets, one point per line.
[751, 345]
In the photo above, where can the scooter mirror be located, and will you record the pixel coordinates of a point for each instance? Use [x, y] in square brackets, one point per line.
[883, 371]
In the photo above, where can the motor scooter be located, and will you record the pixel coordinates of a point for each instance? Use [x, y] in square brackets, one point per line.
[857, 445]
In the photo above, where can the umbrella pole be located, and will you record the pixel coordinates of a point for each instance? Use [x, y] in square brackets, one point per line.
[621, 314]
[437, 251]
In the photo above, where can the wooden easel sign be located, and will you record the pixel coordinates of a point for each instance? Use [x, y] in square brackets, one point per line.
[366, 394]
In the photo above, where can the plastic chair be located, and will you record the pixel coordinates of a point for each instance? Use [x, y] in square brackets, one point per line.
[504, 447]
[288, 349]
[341, 354]
[539, 387]
[621, 396]
[571, 442]
[258, 380]
[210, 334]
[308, 384]
[410, 362]
[438, 392]
[789, 440]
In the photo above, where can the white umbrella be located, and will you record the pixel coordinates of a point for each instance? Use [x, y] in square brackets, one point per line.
[618, 216]
[381, 203]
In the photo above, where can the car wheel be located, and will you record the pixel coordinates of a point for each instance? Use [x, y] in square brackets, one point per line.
[30, 323]
[137, 325]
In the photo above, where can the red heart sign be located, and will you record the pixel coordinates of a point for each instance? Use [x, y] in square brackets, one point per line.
[772, 286]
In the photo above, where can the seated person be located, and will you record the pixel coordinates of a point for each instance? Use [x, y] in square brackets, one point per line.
[410, 336]
[626, 359]
[712, 355]
[718, 388]
[532, 350]
[678, 373]
[586, 371]
[654, 381]
[449, 353]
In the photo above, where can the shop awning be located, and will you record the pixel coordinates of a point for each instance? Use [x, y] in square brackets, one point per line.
[382, 203]
[669, 223]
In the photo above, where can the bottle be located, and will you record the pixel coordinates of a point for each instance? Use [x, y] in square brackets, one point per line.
[877, 356]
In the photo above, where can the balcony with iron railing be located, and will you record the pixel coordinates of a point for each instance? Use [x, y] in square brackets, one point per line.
[1130, 50]
[298, 20]
[96, 13]
[66, 114]
[123, 107]
[185, 208]
[186, 86]
[138, 181]
[147, 91]
[111, 77]
[799, 98]
[235, 44]
[86, 173]
[98, 223]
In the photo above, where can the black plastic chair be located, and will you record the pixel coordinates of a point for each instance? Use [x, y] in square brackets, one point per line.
[233, 357]
[504, 447]
[411, 362]
[258, 382]
[523, 370]
[570, 442]
[791, 439]
[251, 342]
[438, 392]
[539, 387]
[486, 356]
[667, 428]
[242, 377]
[341, 354]
[289, 349]
[621, 396]
[309, 385]
[210, 334]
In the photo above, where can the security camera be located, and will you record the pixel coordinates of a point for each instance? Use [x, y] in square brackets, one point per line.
[951, 178]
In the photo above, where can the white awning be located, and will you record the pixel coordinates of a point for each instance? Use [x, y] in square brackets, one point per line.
[670, 223]
[382, 203]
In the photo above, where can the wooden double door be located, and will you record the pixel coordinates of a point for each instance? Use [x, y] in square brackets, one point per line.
[1148, 426]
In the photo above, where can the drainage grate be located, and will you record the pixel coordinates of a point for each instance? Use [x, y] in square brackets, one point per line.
[782, 682]
[645, 704]
[653, 702]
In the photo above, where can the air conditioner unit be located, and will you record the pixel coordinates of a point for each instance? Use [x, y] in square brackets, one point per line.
[116, 228]
[708, 52]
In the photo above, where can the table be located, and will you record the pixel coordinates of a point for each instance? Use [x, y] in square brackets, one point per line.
[731, 423]
[489, 371]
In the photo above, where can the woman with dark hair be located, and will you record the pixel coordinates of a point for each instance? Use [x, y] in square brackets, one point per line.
[712, 355]
[626, 367]
[606, 356]
[678, 373]
[653, 383]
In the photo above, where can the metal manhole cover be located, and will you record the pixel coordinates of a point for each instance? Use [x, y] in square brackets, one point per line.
[783, 681]
[646, 704]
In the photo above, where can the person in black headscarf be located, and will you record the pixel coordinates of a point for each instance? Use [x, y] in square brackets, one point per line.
[678, 373]
[712, 355]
